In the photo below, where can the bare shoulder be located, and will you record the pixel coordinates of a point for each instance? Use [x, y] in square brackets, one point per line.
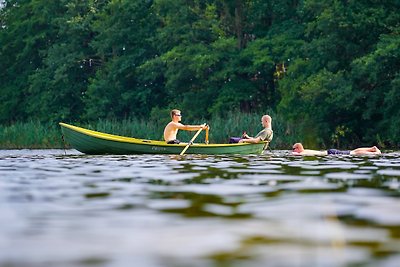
[170, 125]
[175, 125]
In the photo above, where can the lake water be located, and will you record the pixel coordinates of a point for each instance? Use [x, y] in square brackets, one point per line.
[71, 209]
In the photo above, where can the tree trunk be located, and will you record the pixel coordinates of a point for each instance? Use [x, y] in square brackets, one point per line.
[239, 23]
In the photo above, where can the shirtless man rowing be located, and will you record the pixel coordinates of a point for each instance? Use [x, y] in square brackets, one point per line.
[171, 130]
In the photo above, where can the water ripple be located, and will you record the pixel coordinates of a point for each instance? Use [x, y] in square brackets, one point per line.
[63, 208]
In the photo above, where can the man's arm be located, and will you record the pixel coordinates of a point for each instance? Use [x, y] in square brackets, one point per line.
[180, 126]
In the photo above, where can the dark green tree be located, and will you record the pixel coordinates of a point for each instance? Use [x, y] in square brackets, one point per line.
[61, 82]
[330, 68]
[25, 35]
[326, 85]
[124, 30]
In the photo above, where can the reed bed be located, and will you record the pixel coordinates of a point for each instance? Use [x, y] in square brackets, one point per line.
[36, 135]
[30, 135]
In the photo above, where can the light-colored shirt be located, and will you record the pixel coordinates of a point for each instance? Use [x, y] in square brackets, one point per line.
[266, 134]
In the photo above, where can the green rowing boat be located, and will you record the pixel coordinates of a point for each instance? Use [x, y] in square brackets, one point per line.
[93, 142]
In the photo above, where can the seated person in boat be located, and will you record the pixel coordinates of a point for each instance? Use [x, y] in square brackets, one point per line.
[298, 149]
[265, 134]
[171, 130]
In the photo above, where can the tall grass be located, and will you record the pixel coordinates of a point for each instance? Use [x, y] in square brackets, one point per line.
[30, 135]
[39, 135]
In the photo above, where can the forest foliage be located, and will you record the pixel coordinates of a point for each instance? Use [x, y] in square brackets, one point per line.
[330, 69]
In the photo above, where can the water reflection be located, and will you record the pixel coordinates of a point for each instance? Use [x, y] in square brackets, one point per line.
[165, 210]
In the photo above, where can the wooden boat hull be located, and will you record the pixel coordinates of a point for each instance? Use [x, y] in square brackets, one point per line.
[93, 142]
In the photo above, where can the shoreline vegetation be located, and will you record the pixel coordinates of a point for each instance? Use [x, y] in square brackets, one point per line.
[329, 69]
[39, 135]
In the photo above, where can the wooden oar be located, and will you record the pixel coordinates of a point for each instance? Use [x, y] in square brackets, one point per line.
[191, 141]
[206, 141]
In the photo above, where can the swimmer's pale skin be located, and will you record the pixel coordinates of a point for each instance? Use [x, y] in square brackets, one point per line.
[298, 149]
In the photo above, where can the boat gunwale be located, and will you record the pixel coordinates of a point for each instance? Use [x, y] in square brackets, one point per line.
[149, 142]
